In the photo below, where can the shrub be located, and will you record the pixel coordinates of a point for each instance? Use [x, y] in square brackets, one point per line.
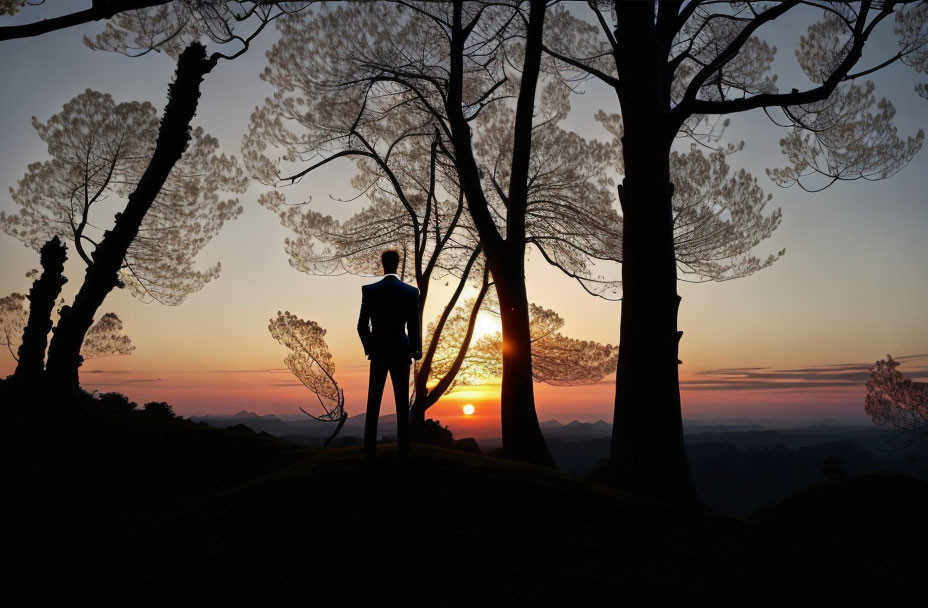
[159, 409]
[116, 401]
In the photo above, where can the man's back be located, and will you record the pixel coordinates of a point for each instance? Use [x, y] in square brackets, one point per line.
[388, 308]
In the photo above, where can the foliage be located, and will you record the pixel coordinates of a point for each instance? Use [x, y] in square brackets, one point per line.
[13, 318]
[160, 409]
[431, 431]
[556, 358]
[310, 361]
[896, 401]
[170, 26]
[99, 150]
[719, 64]
[11, 7]
[106, 339]
[398, 135]
[115, 401]
[718, 217]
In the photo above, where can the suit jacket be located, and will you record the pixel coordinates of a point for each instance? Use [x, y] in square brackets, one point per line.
[390, 308]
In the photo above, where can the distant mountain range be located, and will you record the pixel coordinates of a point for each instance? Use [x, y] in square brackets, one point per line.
[299, 429]
[305, 430]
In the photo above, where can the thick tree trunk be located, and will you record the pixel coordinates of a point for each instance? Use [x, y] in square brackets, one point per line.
[64, 356]
[648, 453]
[42, 298]
[522, 438]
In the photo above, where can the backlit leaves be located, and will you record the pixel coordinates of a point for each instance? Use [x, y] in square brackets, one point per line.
[106, 339]
[556, 359]
[894, 400]
[99, 150]
[13, 317]
[849, 136]
[310, 361]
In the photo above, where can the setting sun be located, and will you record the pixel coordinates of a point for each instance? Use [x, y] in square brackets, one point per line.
[468, 409]
[486, 324]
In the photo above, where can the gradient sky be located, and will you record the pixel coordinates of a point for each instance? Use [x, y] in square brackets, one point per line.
[790, 343]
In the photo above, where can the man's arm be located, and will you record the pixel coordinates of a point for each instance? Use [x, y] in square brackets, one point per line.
[412, 325]
[364, 324]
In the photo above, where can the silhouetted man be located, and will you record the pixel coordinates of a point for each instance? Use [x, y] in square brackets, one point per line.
[389, 309]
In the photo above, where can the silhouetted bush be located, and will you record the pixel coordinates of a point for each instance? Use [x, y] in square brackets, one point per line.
[160, 409]
[432, 432]
[468, 444]
[833, 469]
[116, 401]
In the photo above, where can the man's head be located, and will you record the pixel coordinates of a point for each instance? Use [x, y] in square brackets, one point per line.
[390, 260]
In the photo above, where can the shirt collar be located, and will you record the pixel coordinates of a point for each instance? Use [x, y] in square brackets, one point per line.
[391, 274]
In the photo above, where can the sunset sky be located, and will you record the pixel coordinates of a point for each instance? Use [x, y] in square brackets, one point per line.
[791, 343]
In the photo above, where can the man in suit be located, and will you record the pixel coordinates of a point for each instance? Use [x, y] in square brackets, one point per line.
[389, 309]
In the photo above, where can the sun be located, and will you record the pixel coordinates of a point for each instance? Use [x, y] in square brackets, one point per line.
[469, 410]
[486, 324]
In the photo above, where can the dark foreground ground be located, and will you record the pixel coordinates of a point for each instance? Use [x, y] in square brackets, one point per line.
[122, 508]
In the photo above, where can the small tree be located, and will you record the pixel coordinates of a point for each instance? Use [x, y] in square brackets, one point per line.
[13, 316]
[311, 362]
[894, 400]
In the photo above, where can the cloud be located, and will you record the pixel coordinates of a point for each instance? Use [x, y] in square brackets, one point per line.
[105, 371]
[839, 375]
[278, 370]
[127, 381]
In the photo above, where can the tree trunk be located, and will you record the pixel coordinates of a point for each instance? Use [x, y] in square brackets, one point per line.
[522, 438]
[64, 356]
[42, 297]
[417, 416]
[648, 455]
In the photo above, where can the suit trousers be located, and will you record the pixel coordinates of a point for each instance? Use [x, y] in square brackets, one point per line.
[399, 375]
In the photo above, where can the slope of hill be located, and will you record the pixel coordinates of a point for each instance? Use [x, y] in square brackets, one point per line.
[117, 507]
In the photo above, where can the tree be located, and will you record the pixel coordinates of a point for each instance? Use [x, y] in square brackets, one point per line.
[311, 362]
[894, 400]
[99, 150]
[150, 27]
[110, 255]
[395, 65]
[13, 317]
[675, 67]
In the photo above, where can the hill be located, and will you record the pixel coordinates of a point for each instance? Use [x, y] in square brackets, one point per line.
[119, 507]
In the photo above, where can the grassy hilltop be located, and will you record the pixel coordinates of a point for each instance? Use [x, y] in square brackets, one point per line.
[120, 507]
